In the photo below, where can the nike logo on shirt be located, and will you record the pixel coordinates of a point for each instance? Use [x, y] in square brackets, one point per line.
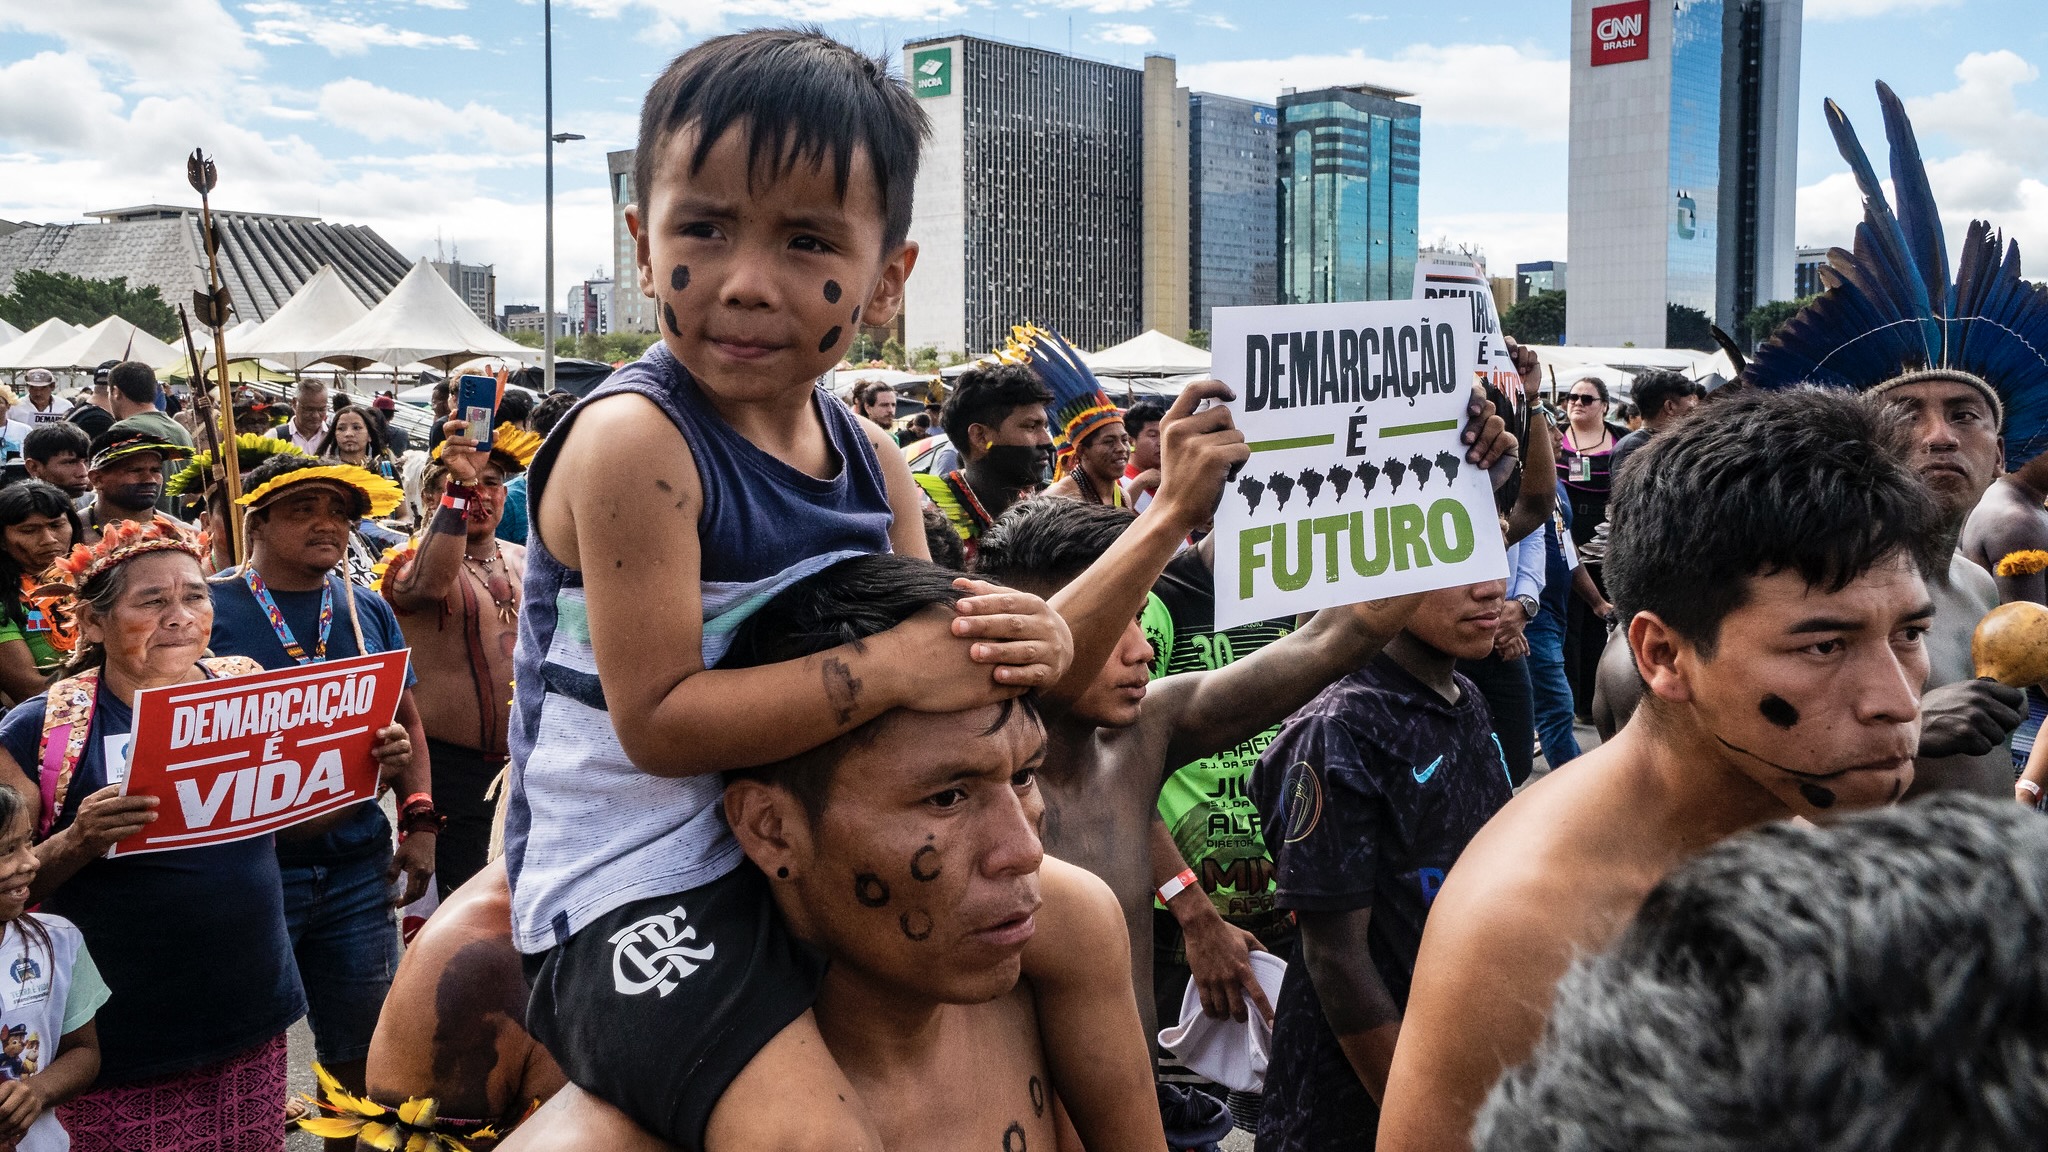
[1422, 775]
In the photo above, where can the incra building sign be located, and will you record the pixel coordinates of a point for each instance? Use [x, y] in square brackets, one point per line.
[1621, 32]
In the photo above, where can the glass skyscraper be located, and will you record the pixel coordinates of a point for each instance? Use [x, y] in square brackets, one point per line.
[1231, 221]
[1691, 244]
[1348, 160]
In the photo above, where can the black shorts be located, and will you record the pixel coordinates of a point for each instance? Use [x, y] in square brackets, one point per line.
[657, 1006]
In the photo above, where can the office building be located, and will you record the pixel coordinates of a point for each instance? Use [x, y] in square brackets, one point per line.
[1232, 222]
[590, 307]
[1537, 277]
[1806, 268]
[1053, 190]
[528, 318]
[1347, 161]
[1684, 147]
[264, 257]
[504, 323]
[477, 284]
[630, 311]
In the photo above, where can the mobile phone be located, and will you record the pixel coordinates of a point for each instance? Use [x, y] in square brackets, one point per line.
[476, 401]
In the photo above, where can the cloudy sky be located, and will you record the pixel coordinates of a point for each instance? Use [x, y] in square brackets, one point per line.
[423, 117]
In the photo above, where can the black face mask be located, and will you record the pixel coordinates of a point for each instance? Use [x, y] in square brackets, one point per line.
[135, 497]
[1019, 465]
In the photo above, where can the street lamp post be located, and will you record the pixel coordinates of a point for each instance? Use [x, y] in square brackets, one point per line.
[547, 337]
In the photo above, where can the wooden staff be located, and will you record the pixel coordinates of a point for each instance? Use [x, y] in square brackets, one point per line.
[212, 307]
[202, 403]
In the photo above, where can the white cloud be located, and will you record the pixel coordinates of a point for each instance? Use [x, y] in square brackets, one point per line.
[173, 46]
[1124, 34]
[283, 23]
[1858, 9]
[380, 114]
[1506, 238]
[1367, 17]
[1983, 112]
[1216, 20]
[1106, 7]
[1490, 85]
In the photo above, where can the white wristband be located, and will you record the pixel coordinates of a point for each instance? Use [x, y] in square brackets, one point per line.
[2029, 787]
[1176, 886]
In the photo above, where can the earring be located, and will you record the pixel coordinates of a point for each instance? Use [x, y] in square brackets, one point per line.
[782, 873]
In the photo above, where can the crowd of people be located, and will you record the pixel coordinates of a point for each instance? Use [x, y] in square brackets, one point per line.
[751, 789]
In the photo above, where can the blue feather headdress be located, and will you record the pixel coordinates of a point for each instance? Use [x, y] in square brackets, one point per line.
[1891, 316]
[1079, 405]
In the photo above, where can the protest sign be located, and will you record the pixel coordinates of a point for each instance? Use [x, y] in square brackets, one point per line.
[1439, 281]
[230, 759]
[1357, 487]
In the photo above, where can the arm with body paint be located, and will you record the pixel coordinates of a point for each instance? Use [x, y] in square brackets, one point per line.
[426, 577]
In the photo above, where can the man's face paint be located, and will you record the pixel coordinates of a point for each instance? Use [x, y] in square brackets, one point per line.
[1815, 695]
[132, 484]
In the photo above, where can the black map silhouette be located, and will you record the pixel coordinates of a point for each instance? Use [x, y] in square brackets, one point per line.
[1395, 470]
[1311, 482]
[1447, 463]
[1368, 476]
[1340, 479]
[1283, 487]
[1419, 465]
[1251, 490]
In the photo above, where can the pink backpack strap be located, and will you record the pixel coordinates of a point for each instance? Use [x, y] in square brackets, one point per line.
[67, 720]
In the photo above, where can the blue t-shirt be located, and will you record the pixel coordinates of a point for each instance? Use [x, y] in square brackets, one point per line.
[192, 942]
[512, 525]
[1368, 795]
[240, 628]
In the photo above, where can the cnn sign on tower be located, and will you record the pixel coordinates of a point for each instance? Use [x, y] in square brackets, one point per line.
[1621, 32]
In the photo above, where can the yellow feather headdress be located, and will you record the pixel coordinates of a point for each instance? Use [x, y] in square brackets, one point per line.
[379, 494]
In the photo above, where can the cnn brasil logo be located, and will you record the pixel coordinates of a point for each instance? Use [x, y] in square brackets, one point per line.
[931, 72]
[1621, 32]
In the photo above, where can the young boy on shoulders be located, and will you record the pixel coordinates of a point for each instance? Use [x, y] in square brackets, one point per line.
[772, 200]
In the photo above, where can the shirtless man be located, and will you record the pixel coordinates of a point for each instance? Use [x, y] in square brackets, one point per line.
[453, 1027]
[2012, 518]
[906, 853]
[1772, 567]
[457, 595]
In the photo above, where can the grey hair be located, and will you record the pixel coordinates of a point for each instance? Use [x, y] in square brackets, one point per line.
[99, 596]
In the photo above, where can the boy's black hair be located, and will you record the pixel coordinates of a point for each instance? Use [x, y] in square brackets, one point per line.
[46, 442]
[1656, 388]
[134, 380]
[1872, 984]
[549, 412]
[1807, 481]
[800, 96]
[513, 408]
[843, 604]
[19, 501]
[1047, 542]
[1143, 414]
[987, 396]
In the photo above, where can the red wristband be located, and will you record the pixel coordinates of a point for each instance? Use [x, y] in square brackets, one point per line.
[1177, 885]
[457, 505]
[415, 798]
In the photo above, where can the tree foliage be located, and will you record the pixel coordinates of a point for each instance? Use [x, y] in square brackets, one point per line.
[1199, 337]
[1759, 322]
[863, 350]
[892, 353]
[1686, 327]
[39, 296]
[1537, 320]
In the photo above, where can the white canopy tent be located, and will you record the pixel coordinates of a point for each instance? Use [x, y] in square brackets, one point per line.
[1152, 353]
[1618, 367]
[111, 339]
[303, 330]
[27, 349]
[8, 333]
[421, 320]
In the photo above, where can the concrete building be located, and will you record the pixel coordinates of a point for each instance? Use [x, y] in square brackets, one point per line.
[1347, 160]
[1053, 190]
[505, 318]
[264, 257]
[630, 311]
[1684, 148]
[590, 307]
[1232, 221]
[1538, 276]
[529, 318]
[477, 284]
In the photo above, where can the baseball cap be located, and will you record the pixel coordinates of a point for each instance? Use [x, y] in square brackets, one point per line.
[124, 439]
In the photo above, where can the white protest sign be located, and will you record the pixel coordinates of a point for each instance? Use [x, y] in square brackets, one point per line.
[1436, 281]
[1357, 487]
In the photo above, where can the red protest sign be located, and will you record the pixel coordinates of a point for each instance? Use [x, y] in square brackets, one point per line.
[231, 759]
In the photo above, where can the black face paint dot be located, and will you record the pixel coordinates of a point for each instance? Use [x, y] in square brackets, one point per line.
[917, 864]
[668, 316]
[855, 319]
[679, 279]
[1778, 711]
[1817, 796]
[916, 924]
[830, 339]
[831, 291]
[1013, 1137]
[870, 890]
[1037, 1087]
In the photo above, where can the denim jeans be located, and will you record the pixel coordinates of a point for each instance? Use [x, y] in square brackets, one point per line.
[344, 934]
[1553, 693]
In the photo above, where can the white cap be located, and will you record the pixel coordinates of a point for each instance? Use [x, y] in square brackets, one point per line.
[1230, 1053]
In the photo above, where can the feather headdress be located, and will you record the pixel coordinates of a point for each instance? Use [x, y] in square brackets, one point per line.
[514, 447]
[250, 451]
[414, 1126]
[1891, 315]
[375, 495]
[1079, 405]
[120, 541]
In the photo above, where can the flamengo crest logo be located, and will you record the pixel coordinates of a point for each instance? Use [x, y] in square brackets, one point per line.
[649, 954]
[1621, 32]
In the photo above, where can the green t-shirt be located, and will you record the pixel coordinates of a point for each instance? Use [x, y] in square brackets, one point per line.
[1205, 805]
[161, 425]
[38, 641]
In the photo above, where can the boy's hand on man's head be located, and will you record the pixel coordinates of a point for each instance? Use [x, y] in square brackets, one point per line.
[930, 668]
[1018, 633]
[1197, 451]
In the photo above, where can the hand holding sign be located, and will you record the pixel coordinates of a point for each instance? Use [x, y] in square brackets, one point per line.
[106, 818]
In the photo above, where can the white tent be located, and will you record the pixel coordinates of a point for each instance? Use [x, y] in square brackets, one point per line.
[8, 332]
[111, 339]
[1152, 354]
[1619, 367]
[421, 320]
[26, 350]
[303, 330]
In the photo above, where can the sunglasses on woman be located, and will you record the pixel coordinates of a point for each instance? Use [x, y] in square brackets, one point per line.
[1580, 398]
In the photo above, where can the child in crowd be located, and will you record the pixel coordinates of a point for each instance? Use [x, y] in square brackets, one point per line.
[772, 193]
[48, 999]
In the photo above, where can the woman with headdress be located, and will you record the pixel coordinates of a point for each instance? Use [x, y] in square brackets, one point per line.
[192, 942]
[1089, 443]
[37, 525]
